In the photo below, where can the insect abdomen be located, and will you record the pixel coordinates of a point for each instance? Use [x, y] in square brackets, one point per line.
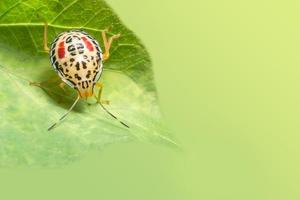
[78, 60]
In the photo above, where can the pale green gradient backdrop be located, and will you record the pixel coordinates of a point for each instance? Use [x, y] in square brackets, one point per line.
[228, 77]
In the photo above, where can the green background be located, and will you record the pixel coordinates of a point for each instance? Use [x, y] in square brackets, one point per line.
[227, 74]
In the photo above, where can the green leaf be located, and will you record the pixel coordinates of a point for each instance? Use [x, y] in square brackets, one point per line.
[27, 111]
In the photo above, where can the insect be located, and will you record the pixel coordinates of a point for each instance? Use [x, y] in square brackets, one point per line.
[78, 60]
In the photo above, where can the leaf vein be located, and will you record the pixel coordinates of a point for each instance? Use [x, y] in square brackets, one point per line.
[63, 10]
[97, 13]
[17, 40]
[10, 8]
[51, 25]
[32, 38]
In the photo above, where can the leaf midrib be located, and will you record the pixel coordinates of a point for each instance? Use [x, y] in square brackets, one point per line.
[51, 25]
[68, 28]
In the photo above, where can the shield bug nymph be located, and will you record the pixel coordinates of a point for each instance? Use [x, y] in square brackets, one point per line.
[78, 60]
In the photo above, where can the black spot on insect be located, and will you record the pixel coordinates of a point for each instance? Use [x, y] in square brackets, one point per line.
[53, 45]
[92, 57]
[94, 78]
[73, 53]
[65, 64]
[75, 36]
[56, 65]
[95, 43]
[62, 74]
[84, 64]
[77, 66]
[94, 71]
[86, 58]
[79, 46]
[54, 42]
[69, 39]
[79, 83]
[88, 74]
[67, 70]
[90, 81]
[53, 59]
[72, 59]
[70, 77]
[61, 71]
[71, 82]
[77, 77]
[99, 56]
[83, 84]
[94, 63]
[71, 48]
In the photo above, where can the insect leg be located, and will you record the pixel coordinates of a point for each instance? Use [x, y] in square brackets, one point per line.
[101, 102]
[46, 48]
[47, 86]
[107, 43]
[40, 84]
[62, 86]
[98, 97]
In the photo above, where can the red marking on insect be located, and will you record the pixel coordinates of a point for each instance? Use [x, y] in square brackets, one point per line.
[61, 50]
[88, 44]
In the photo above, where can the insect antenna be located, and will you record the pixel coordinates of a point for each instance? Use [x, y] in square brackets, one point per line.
[65, 115]
[112, 115]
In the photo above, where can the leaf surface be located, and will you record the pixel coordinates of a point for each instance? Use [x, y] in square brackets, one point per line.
[27, 111]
